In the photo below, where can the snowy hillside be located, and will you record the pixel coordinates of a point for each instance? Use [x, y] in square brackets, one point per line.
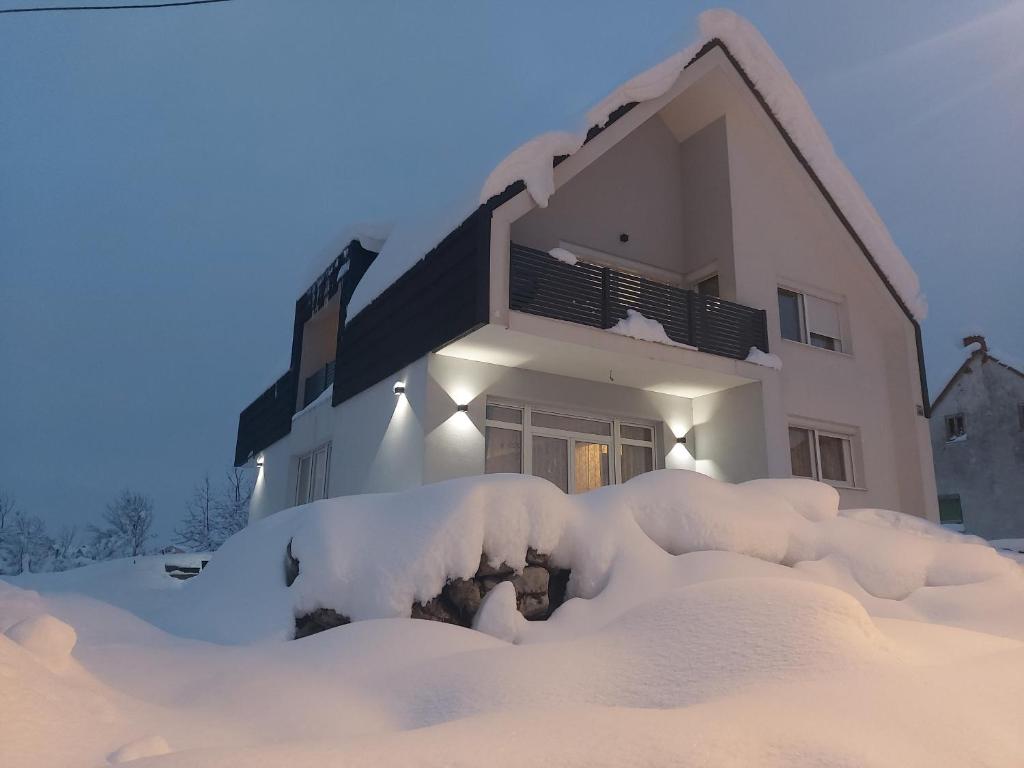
[703, 624]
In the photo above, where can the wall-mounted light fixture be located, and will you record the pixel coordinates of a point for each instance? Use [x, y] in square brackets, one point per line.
[462, 407]
[259, 461]
[399, 387]
[681, 440]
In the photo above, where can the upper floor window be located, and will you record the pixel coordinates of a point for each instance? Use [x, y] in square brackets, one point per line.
[709, 286]
[823, 456]
[810, 320]
[955, 429]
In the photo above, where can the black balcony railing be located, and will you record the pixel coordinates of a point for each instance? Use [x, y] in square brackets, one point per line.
[317, 383]
[597, 296]
[266, 420]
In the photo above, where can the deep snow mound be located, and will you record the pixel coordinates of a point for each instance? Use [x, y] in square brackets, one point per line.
[378, 556]
[46, 637]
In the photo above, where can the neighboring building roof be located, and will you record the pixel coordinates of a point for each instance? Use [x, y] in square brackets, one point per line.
[978, 351]
[532, 163]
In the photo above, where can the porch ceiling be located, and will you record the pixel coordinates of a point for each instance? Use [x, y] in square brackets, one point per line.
[566, 349]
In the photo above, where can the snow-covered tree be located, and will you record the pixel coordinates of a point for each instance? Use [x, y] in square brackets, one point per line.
[67, 551]
[197, 531]
[128, 519]
[233, 504]
[24, 545]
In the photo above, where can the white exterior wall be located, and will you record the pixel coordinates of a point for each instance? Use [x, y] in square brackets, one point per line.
[784, 232]
[384, 442]
[731, 434]
[455, 441]
[376, 444]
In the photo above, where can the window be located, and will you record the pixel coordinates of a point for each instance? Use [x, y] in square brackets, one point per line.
[709, 286]
[576, 453]
[311, 484]
[503, 438]
[821, 456]
[951, 511]
[955, 430]
[810, 320]
[791, 315]
[636, 450]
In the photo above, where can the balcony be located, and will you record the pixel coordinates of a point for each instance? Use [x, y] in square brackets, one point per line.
[315, 385]
[598, 296]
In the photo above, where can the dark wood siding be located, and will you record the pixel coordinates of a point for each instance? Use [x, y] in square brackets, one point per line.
[266, 420]
[269, 417]
[441, 298]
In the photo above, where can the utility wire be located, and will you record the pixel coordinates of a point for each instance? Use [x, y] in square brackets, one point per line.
[110, 7]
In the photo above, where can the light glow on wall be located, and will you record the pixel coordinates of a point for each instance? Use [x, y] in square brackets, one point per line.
[679, 455]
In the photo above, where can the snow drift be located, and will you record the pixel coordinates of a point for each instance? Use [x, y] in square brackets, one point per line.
[707, 624]
[374, 556]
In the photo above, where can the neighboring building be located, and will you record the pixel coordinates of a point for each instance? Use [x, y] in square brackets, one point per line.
[978, 444]
[696, 208]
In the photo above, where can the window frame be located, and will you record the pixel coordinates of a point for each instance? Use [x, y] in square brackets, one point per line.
[850, 464]
[960, 503]
[614, 440]
[806, 332]
[956, 427]
[311, 492]
[710, 276]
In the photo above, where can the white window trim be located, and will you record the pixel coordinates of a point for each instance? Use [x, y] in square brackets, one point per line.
[613, 441]
[851, 443]
[805, 332]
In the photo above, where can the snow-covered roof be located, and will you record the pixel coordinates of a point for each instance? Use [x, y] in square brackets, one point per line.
[371, 235]
[532, 162]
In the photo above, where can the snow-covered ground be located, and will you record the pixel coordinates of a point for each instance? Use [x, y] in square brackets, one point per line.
[709, 625]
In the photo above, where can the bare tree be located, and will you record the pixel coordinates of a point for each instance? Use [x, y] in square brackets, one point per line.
[196, 533]
[215, 513]
[129, 519]
[8, 506]
[233, 504]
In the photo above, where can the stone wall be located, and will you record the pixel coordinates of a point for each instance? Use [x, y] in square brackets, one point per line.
[540, 589]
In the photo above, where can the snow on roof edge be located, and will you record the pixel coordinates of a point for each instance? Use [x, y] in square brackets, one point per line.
[372, 235]
[532, 162]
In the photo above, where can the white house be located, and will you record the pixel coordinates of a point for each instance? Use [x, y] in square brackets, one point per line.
[705, 208]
